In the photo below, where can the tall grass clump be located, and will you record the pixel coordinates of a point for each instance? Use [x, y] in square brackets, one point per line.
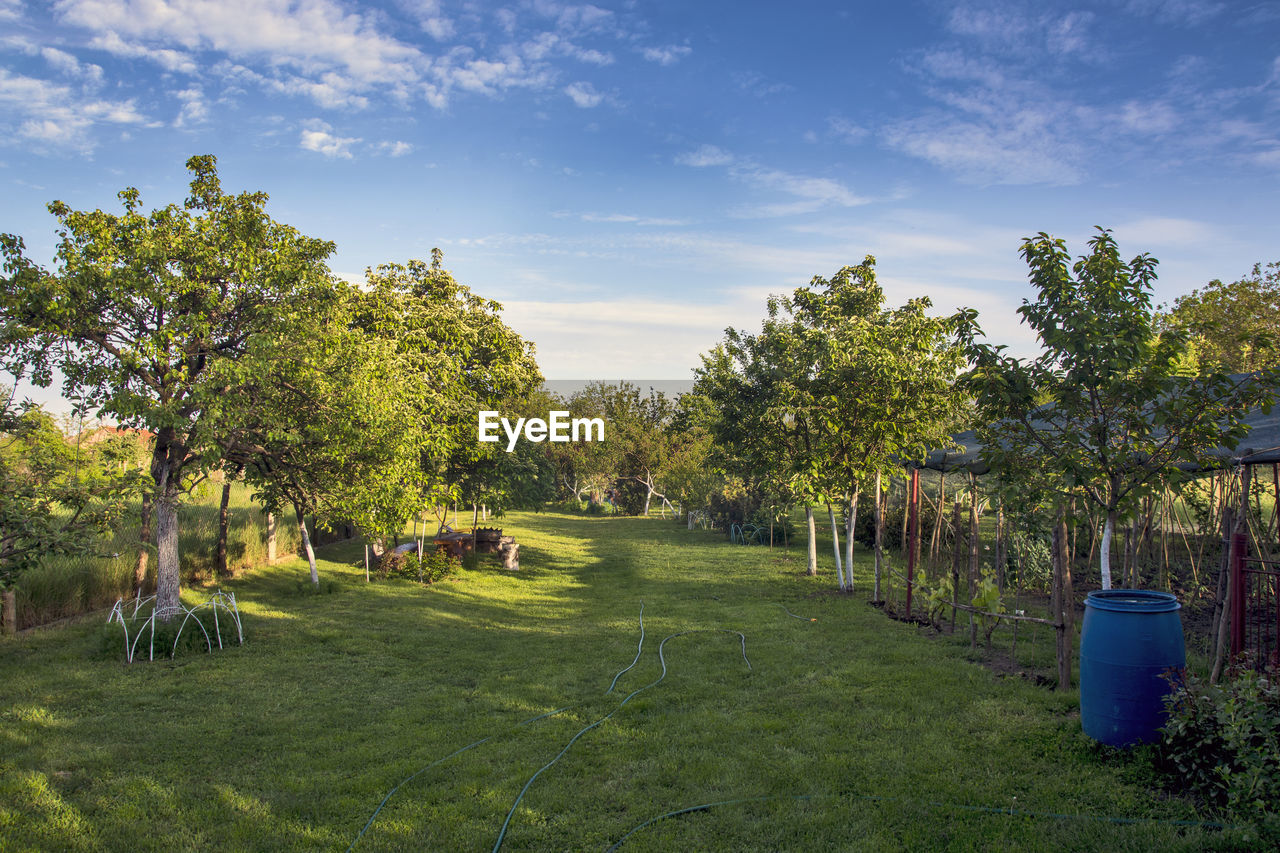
[63, 587]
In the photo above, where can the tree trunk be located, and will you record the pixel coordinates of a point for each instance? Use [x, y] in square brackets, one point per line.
[1063, 598]
[223, 528]
[1000, 556]
[271, 537]
[835, 545]
[1105, 554]
[10, 607]
[306, 544]
[935, 541]
[144, 545]
[813, 541]
[878, 519]
[168, 576]
[850, 524]
[955, 559]
[973, 557]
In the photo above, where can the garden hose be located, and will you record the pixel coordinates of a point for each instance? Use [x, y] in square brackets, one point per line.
[662, 660]
[1203, 824]
[639, 649]
[793, 616]
[439, 761]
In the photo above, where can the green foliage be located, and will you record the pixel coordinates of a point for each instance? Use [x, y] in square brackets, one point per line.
[143, 307]
[865, 531]
[938, 599]
[434, 566]
[1222, 744]
[463, 359]
[1232, 327]
[1104, 411]
[987, 598]
[56, 499]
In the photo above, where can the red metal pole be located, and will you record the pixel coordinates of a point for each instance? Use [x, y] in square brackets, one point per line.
[913, 533]
[1238, 545]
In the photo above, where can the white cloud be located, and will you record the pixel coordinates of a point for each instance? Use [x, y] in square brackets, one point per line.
[316, 136]
[669, 55]
[627, 218]
[394, 148]
[811, 193]
[67, 64]
[56, 114]
[195, 109]
[1149, 118]
[808, 193]
[705, 155]
[584, 95]
[1022, 148]
[1011, 29]
[10, 10]
[1188, 13]
[166, 58]
[845, 130]
[1166, 231]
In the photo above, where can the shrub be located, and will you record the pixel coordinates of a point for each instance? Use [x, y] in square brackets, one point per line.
[1222, 745]
[433, 566]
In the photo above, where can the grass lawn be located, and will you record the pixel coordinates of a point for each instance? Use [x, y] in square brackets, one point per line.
[291, 741]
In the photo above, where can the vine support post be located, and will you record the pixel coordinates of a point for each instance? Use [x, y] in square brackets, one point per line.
[913, 532]
[1064, 607]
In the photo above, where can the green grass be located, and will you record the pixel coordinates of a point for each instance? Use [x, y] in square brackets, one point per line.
[291, 741]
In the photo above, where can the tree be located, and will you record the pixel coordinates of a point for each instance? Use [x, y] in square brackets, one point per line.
[465, 359]
[1104, 408]
[763, 388]
[1232, 327]
[883, 388]
[141, 308]
[57, 500]
[330, 429]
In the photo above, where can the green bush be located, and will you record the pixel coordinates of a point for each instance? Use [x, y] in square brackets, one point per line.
[1222, 745]
[433, 566]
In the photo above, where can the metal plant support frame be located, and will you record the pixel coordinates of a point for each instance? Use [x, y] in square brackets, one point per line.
[1255, 607]
[219, 600]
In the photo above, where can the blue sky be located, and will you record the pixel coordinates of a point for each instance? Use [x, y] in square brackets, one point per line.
[630, 178]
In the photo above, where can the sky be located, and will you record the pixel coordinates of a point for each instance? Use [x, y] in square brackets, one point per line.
[631, 178]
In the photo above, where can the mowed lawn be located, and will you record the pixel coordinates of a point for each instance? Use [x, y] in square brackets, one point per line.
[293, 740]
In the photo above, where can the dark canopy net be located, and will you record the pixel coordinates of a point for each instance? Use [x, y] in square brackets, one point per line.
[1261, 445]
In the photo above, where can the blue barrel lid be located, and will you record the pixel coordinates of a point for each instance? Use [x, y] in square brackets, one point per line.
[1133, 601]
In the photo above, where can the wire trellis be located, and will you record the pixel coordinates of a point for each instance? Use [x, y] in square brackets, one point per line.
[225, 601]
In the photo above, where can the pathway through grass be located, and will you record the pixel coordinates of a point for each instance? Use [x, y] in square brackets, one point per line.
[291, 741]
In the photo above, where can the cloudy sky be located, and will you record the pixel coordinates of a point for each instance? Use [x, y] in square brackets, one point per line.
[629, 178]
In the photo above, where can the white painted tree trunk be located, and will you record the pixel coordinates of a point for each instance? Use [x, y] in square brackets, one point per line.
[835, 545]
[306, 546]
[813, 540]
[850, 524]
[1107, 530]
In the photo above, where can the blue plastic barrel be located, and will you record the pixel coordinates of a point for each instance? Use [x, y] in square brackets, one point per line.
[1130, 639]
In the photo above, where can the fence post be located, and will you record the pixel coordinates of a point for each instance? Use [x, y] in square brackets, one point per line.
[913, 533]
[10, 612]
[1239, 546]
